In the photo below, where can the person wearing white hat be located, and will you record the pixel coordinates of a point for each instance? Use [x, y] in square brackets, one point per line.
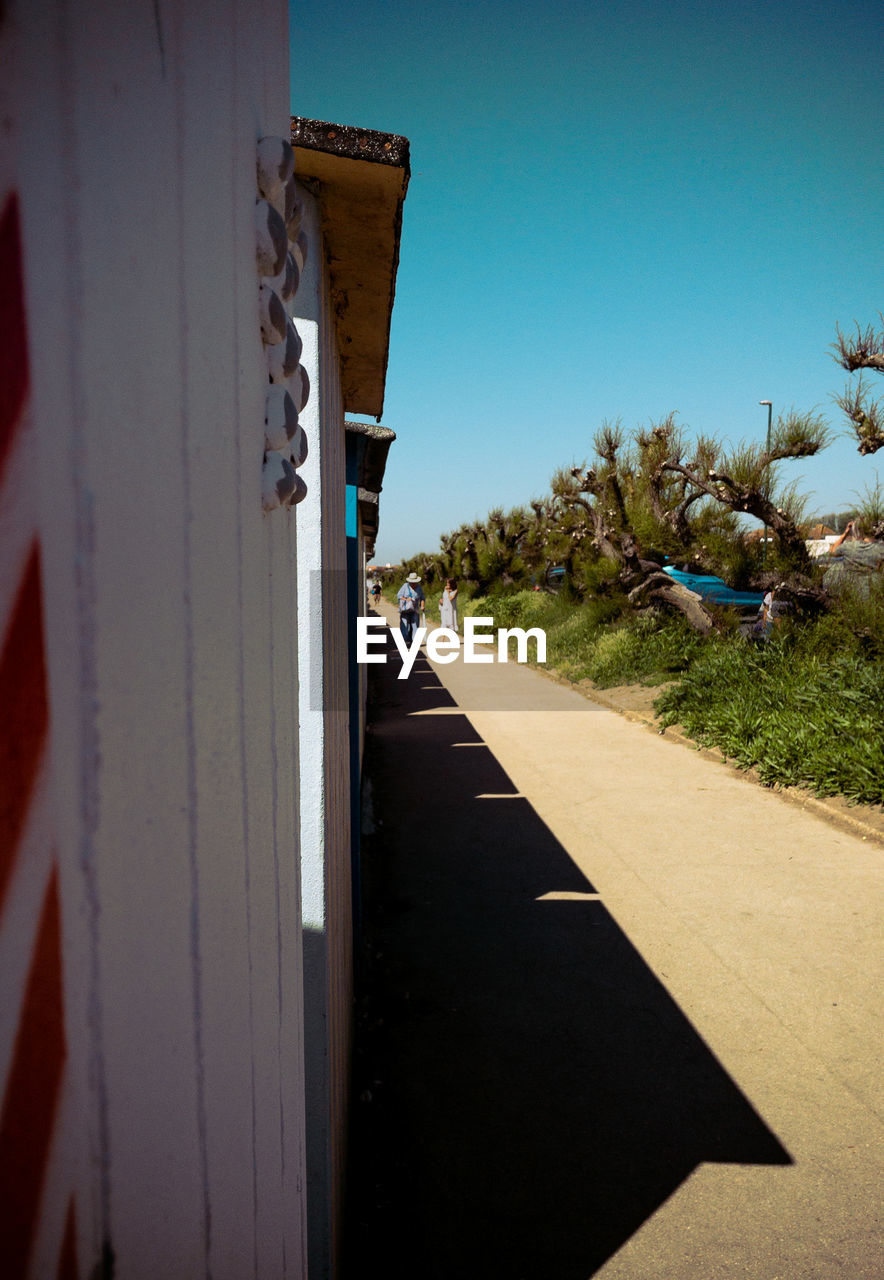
[410, 599]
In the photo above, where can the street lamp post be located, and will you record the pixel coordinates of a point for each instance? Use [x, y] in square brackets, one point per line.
[767, 450]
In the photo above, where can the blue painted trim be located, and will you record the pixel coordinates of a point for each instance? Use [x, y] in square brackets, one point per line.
[351, 516]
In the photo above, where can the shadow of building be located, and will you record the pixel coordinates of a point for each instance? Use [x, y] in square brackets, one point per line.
[528, 1092]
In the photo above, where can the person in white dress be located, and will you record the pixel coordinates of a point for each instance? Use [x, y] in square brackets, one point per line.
[448, 606]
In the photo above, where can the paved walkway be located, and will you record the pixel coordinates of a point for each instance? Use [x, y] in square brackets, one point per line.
[622, 1006]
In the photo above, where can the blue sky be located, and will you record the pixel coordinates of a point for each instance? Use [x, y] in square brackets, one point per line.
[615, 210]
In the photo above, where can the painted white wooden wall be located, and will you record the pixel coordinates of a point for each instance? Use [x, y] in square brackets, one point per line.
[325, 762]
[169, 603]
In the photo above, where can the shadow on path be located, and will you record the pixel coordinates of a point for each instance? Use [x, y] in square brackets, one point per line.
[527, 1092]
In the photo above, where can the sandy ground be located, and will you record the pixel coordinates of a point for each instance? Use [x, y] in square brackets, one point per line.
[621, 1010]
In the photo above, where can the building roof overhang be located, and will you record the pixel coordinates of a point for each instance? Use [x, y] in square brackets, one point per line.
[369, 512]
[360, 178]
[372, 447]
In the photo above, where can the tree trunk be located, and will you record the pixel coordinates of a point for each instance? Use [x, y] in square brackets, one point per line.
[659, 587]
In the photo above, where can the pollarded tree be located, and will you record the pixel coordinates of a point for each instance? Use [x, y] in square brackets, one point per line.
[600, 493]
[554, 538]
[499, 557]
[563, 540]
[447, 554]
[666, 499]
[859, 351]
[745, 480]
[530, 545]
[664, 486]
[496, 551]
[459, 548]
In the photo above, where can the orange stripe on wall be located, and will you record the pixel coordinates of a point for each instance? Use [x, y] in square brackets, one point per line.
[27, 1120]
[24, 714]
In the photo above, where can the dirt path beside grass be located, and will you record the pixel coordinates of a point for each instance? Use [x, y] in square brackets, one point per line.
[636, 702]
[622, 1008]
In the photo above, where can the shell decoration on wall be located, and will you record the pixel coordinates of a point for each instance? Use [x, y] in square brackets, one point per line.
[280, 253]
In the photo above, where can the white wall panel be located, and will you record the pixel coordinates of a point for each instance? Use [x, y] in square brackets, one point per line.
[171, 621]
[325, 788]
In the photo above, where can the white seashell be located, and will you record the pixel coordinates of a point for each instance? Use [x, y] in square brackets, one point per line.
[272, 316]
[280, 418]
[282, 359]
[276, 164]
[298, 446]
[296, 338]
[278, 481]
[299, 249]
[300, 387]
[299, 493]
[271, 247]
[294, 210]
[286, 283]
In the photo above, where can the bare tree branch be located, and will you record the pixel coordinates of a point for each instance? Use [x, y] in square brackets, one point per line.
[864, 350]
[659, 587]
[866, 416]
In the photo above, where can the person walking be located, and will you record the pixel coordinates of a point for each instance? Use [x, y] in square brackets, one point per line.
[448, 606]
[410, 599]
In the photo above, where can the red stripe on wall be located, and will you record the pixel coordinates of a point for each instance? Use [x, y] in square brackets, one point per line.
[24, 714]
[13, 329]
[67, 1263]
[32, 1093]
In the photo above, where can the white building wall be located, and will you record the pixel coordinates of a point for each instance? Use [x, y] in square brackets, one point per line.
[171, 625]
[324, 752]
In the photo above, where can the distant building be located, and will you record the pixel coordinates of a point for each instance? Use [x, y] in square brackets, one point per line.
[818, 538]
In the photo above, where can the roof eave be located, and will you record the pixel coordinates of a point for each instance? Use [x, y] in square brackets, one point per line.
[360, 177]
[372, 457]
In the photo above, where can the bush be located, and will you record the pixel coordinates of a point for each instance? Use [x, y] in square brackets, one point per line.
[648, 649]
[600, 640]
[523, 609]
[798, 712]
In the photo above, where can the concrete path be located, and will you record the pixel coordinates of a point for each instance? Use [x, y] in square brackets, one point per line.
[622, 1012]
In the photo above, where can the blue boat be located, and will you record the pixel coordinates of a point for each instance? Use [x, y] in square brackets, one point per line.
[714, 590]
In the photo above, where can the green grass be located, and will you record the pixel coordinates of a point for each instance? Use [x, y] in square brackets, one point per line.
[798, 716]
[598, 640]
